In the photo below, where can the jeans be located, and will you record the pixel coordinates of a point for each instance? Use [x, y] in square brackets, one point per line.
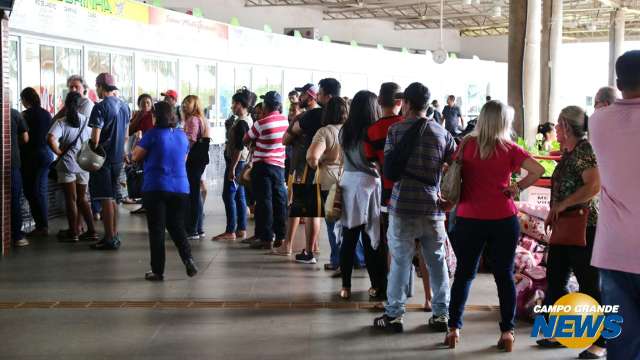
[622, 288]
[469, 239]
[235, 202]
[35, 182]
[270, 194]
[376, 260]
[334, 258]
[195, 211]
[166, 210]
[16, 204]
[402, 246]
[561, 261]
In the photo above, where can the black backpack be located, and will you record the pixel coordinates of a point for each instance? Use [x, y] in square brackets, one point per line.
[395, 162]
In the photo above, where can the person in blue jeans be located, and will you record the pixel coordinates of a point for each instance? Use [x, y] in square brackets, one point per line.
[37, 156]
[19, 135]
[110, 128]
[236, 155]
[415, 213]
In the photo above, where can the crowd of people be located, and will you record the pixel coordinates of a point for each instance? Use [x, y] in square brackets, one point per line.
[332, 153]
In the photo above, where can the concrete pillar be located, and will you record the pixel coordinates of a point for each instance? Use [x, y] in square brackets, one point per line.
[616, 38]
[550, 48]
[531, 78]
[517, 30]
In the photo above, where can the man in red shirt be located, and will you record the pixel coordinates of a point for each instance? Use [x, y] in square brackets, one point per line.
[390, 99]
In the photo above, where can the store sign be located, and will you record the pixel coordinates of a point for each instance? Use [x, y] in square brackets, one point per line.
[539, 195]
[124, 9]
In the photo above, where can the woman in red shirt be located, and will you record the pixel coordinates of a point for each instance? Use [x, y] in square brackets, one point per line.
[486, 214]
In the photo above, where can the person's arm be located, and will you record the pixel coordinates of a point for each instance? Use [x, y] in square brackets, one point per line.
[139, 153]
[53, 144]
[293, 132]
[314, 153]
[534, 172]
[591, 188]
[238, 134]
[96, 121]
[25, 137]
[461, 118]
[251, 135]
[134, 123]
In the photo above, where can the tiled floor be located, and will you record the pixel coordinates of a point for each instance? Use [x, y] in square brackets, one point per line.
[272, 319]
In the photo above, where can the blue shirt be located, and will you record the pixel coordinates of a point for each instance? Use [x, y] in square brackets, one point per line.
[111, 115]
[452, 119]
[165, 164]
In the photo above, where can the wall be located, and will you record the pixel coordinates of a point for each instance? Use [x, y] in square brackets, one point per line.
[281, 17]
[488, 47]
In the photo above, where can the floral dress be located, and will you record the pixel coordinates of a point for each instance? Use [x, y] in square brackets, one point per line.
[567, 177]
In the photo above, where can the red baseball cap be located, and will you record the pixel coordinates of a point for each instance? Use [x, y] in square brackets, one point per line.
[170, 93]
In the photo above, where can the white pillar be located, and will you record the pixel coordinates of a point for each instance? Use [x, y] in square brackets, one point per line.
[616, 38]
[531, 86]
[555, 47]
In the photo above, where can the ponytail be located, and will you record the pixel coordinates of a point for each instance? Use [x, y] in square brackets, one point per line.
[71, 109]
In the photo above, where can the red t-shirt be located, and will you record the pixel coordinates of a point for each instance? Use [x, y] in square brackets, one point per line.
[375, 141]
[146, 122]
[484, 181]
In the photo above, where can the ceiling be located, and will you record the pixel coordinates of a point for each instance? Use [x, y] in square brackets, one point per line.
[583, 19]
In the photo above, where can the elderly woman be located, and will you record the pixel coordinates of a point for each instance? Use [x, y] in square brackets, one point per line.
[574, 186]
[165, 190]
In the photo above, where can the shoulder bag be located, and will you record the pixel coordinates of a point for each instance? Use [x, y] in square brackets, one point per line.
[451, 186]
[570, 229]
[199, 153]
[53, 171]
[245, 174]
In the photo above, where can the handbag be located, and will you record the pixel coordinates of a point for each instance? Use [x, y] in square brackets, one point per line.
[570, 229]
[451, 185]
[333, 205]
[199, 153]
[307, 200]
[53, 171]
[245, 174]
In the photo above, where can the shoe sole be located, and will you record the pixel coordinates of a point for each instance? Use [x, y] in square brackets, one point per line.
[308, 262]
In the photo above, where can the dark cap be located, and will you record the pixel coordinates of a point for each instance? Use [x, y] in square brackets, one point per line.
[106, 81]
[272, 99]
[310, 89]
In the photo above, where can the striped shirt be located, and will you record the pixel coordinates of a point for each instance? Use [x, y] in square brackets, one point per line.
[268, 134]
[435, 147]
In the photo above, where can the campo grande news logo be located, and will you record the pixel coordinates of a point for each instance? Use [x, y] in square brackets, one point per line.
[577, 320]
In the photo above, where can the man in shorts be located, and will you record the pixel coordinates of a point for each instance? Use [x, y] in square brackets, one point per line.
[110, 128]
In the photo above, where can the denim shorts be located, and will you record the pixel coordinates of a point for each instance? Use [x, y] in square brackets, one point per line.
[104, 184]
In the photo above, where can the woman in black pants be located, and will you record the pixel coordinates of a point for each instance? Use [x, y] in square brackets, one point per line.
[361, 193]
[574, 185]
[165, 191]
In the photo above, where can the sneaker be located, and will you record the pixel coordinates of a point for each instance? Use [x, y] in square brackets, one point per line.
[202, 234]
[114, 244]
[305, 258]
[439, 323]
[388, 323]
[151, 276]
[193, 237]
[22, 243]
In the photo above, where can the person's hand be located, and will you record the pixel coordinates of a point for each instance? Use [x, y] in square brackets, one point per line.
[232, 175]
[138, 134]
[512, 190]
[554, 214]
[445, 204]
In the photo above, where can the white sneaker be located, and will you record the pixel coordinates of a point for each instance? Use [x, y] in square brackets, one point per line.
[22, 242]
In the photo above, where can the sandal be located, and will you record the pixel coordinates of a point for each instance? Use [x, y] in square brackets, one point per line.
[224, 237]
[344, 294]
[452, 338]
[506, 341]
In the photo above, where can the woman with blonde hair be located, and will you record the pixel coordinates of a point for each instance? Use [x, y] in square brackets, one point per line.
[574, 186]
[197, 130]
[486, 215]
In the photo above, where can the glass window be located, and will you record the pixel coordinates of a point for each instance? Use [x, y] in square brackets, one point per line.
[47, 78]
[14, 96]
[292, 80]
[188, 78]
[97, 63]
[226, 84]
[266, 79]
[242, 77]
[352, 83]
[68, 62]
[122, 71]
[167, 77]
[31, 66]
[207, 89]
[147, 77]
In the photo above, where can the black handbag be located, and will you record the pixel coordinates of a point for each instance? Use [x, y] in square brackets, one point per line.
[306, 198]
[135, 179]
[53, 171]
[199, 153]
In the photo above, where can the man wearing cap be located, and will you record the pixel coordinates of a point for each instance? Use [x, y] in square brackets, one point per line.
[110, 123]
[171, 96]
[304, 130]
[267, 174]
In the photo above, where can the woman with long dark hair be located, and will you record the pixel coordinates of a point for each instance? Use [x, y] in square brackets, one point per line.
[65, 139]
[36, 158]
[165, 191]
[361, 192]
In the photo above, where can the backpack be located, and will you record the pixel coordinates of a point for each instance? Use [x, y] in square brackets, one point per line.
[395, 162]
